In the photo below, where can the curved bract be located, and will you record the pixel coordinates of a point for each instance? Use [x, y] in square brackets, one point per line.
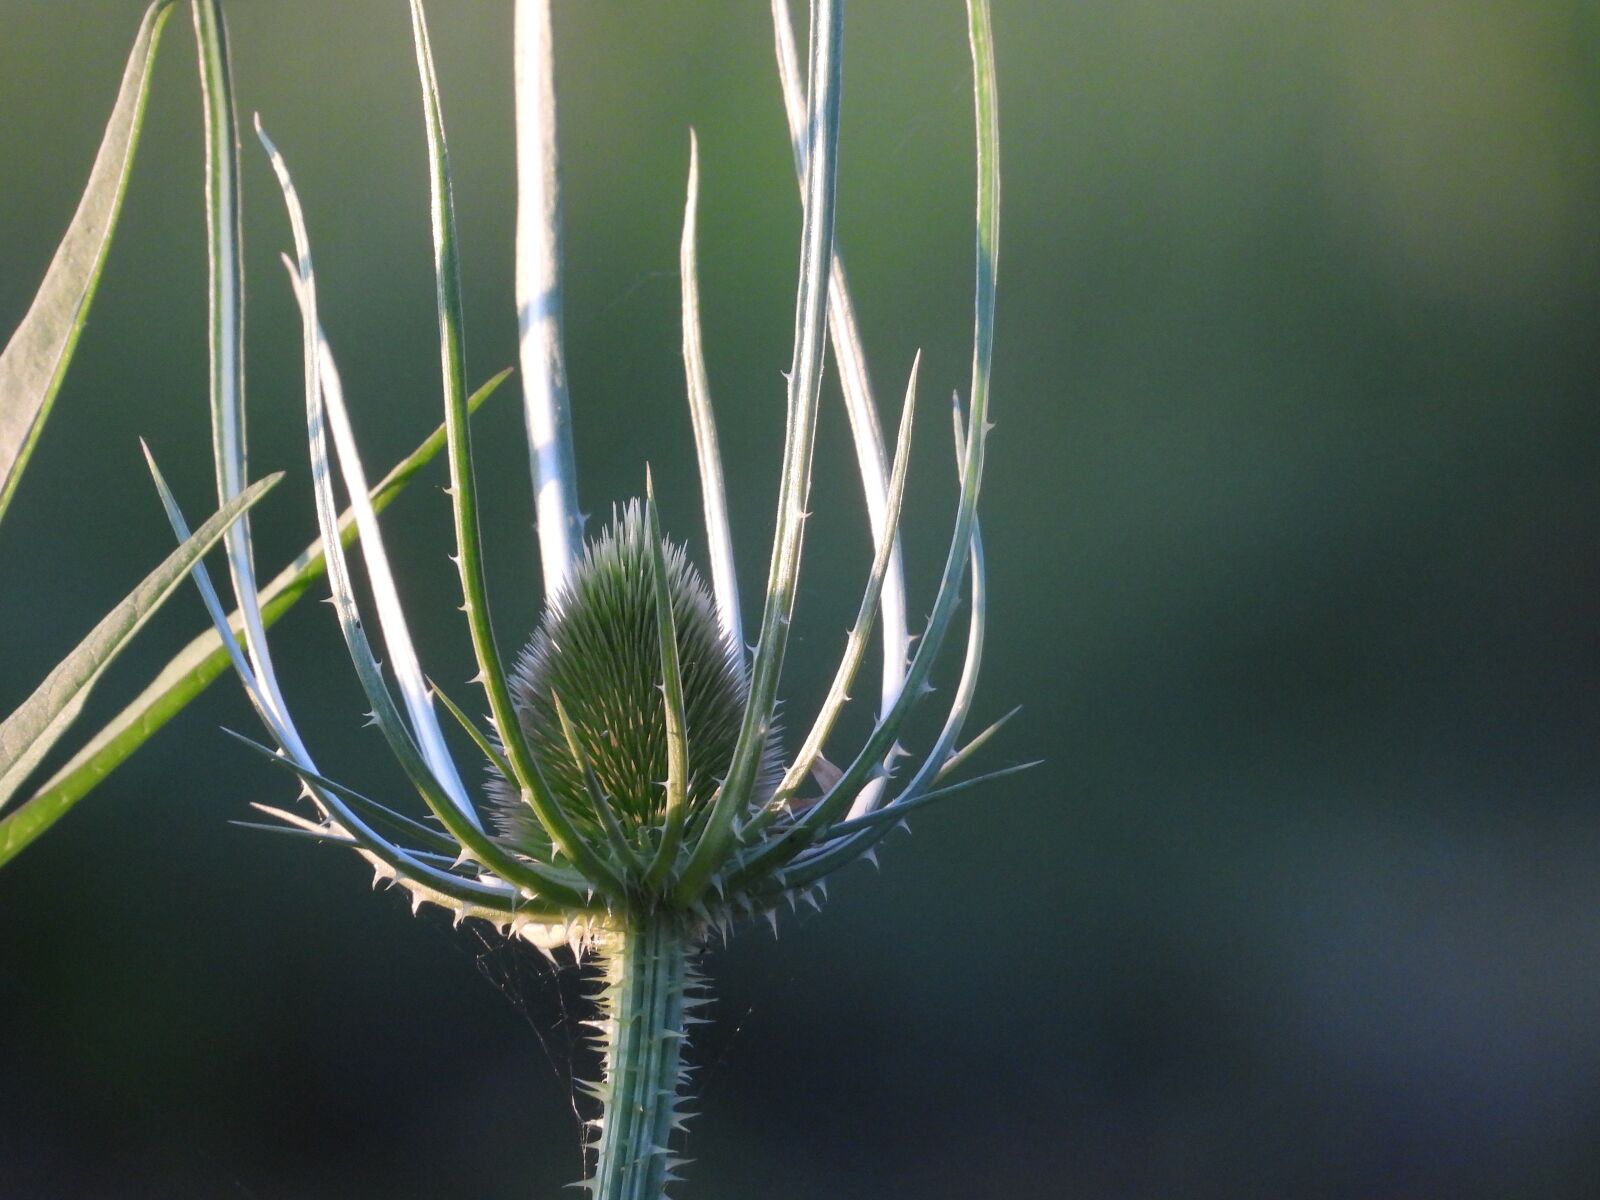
[631, 757]
[637, 794]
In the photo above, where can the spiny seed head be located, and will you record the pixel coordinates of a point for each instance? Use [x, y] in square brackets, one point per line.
[598, 649]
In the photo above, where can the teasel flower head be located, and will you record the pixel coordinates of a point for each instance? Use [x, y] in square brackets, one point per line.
[640, 793]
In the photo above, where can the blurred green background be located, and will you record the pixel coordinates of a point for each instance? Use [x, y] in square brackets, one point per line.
[1293, 519]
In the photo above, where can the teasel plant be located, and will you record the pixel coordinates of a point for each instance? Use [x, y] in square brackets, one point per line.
[639, 797]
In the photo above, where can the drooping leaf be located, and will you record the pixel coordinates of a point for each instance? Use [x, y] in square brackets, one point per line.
[35, 359]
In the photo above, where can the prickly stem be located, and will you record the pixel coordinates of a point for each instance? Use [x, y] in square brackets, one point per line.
[647, 976]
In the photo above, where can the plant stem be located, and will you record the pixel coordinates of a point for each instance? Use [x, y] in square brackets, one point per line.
[547, 408]
[647, 976]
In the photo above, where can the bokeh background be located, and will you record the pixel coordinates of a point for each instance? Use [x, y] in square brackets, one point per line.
[1292, 515]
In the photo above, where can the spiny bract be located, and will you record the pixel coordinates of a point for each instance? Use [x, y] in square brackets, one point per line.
[636, 801]
[598, 651]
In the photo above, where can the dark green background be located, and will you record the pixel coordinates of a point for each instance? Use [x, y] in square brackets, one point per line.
[1292, 516]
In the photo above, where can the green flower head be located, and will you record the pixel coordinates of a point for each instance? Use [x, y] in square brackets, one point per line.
[634, 765]
[589, 705]
[639, 795]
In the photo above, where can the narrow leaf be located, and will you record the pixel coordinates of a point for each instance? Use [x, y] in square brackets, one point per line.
[966, 688]
[960, 757]
[331, 835]
[35, 359]
[818, 820]
[890, 813]
[424, 880]
[987, 260]
[27, 735]
[380, 814]
[861, 834]
[480, 739]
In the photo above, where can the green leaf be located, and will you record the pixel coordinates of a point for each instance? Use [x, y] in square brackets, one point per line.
[35, 359]
[27, 735]
[192, 669]
[480, 739]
